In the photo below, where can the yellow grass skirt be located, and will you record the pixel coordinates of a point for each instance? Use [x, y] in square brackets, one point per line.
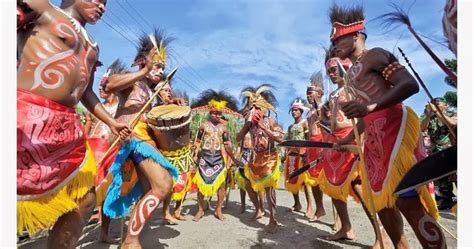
[36, 215]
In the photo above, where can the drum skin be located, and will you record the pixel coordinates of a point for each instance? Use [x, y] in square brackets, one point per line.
[171, 126]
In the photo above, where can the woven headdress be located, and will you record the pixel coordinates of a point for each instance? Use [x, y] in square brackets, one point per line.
[346, 21]
[261, 97]
[157, 39]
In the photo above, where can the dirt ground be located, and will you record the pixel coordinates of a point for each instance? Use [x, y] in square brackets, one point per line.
[238, 231]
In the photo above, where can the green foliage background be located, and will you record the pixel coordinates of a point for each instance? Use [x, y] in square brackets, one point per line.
[233, 125]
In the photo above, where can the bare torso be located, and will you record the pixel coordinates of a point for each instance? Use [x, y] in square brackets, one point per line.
[56, 58]
[131, 100]
[260, 140]
[212, 137]
[100, 129]
[313, 118]
[338, 119]
[365, 79]
[247, 143]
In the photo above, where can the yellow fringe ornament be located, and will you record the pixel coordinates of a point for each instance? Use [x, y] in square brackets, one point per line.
[268, 181]
[209, 190]
[402, 163]
[36, 215]
[339, 192]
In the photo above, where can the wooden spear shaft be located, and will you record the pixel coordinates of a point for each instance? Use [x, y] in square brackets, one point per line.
[137, 116]
[368, 189]
[422, 84]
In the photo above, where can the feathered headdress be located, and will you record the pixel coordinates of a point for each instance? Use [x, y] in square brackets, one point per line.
[211, 100]
[399, 16]
[157, 39]
[299, 104]
[117, 67]
[316, 82]
[261, 97]
[346, 21]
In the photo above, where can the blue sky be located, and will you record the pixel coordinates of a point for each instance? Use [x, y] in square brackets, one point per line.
[227, 45]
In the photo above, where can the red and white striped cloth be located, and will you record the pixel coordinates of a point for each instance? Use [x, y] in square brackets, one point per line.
[450, 24]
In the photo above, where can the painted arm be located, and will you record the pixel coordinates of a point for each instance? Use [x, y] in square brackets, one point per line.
[243, 131]
[92, 103]
[88, 124]
[402, 82]
[118, 82]
[275, 132]
[28, 10]
[197, 144]
[228, 145]
[351, 136]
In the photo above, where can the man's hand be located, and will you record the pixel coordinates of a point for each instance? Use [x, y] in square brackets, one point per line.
[121, 129]
[353, 109]
[179, 101]
[338, 145]
[256, 116]
[149, 59]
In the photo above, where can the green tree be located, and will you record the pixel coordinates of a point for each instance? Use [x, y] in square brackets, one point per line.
[452, 64]
[451, 98]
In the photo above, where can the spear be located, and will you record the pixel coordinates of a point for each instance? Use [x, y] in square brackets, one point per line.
[422, 84]
[137, 116]
[401, 17]
[368, 189]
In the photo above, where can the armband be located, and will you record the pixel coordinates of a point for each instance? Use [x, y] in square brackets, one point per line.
[391, 68]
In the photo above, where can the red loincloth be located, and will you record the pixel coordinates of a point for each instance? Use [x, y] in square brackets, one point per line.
[50, 145]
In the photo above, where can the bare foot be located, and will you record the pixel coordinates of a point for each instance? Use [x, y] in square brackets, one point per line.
[242, 210]
[309, 213]
[271, 227]
[179, 217]
[319, 213]
[295, 208]
[170, 219]
[258, 214]
[219, 215]
[135, 244]
[386, 240]
[106, 239]
[341, 235]
[198, 215]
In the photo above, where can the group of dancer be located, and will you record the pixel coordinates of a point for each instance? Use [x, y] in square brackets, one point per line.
[65, 169]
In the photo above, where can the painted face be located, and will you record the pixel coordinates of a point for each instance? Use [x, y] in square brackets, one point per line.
[216, 116]
[91, 10]
[102, 94]
[334, 75]
[313, 95]
[165, 92]
[310, 95]
[295, 112]
[156, 73]
[344, 46]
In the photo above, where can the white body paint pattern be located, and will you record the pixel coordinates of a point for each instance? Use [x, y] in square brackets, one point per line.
[432, 236]
[146, 206]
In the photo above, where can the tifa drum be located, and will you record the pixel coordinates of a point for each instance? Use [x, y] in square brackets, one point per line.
[171, 126]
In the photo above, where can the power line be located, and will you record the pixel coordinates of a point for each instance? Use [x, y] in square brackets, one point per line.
[129, 30]
[141, 17]
[102, 19]
[128, 13]
[191, 68]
